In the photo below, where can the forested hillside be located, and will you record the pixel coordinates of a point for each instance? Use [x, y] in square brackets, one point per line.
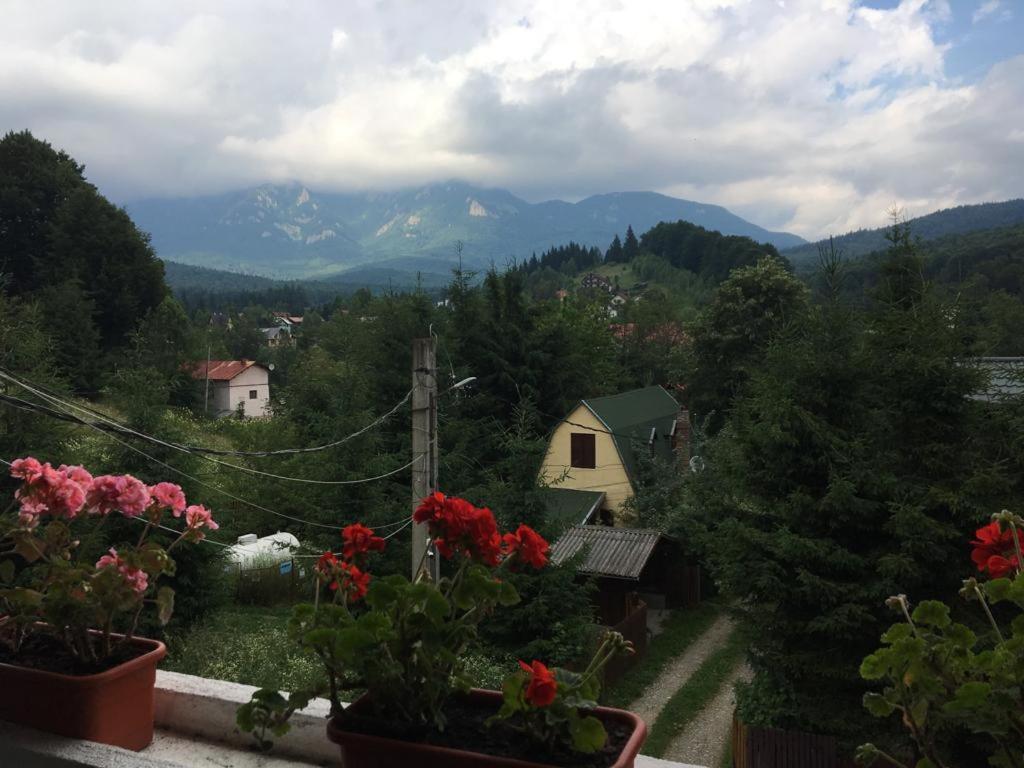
[960, 220]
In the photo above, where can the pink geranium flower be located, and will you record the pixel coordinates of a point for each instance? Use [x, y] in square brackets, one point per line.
[59, 492]
[196, 517]
[136, 578]
[169, 496]
[118, 492]
[27, 469]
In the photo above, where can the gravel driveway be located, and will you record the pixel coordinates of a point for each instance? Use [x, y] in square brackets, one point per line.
[679, 670]
[704, 740]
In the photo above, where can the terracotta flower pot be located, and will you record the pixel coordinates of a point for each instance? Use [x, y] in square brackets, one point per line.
[363, 751]
[113, 707]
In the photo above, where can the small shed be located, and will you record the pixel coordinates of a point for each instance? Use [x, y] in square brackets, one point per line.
[625, 562]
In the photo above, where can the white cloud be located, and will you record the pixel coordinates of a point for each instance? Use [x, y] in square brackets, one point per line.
[985, 10]
[813, 115]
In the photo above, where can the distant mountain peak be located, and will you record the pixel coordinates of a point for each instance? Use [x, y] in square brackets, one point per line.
[289, 230]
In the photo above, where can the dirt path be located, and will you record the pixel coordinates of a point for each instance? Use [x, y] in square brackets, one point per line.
[704, 740]
[678, 672]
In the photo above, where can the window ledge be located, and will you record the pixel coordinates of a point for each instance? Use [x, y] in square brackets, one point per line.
[195, 728]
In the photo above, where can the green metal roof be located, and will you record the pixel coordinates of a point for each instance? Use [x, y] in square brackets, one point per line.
[630, 417]
[567, 507]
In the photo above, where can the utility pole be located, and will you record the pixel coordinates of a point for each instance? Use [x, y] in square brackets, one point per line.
[206, 399]
[424, 451]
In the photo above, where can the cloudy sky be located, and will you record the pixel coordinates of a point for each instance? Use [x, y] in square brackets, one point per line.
[813, 116]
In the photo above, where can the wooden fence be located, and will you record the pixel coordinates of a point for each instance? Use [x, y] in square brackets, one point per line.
[756, 747]
[634, 629]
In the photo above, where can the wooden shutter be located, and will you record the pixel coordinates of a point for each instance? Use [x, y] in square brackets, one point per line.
[583, 451]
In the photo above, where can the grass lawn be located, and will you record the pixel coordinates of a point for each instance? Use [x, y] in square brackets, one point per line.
[688, 701]
[682, 628]
[243, 644]
[250, 645]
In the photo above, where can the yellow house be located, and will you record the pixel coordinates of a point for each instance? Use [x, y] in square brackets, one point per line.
[594, 447]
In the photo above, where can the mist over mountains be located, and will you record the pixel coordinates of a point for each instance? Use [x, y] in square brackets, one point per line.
[290, 231]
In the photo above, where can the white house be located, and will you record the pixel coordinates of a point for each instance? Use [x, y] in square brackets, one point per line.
[236, 387]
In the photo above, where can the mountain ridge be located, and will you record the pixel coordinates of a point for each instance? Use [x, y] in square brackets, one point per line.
[958, 220]
[288, 231]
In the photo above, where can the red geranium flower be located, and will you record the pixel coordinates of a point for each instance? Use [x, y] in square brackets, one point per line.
[326, 563]
[542, 688]
[358, 540]
[994, 550]
[528, 546]
[355, 583]
[458, 527]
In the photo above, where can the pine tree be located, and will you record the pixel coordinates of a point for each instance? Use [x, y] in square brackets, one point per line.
[614, 254]
[631, 246]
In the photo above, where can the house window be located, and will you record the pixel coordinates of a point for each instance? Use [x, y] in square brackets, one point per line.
[582, 451]
[252, 394]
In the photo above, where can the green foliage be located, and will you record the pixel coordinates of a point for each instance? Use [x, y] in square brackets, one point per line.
[56, 223]
[732, 334]
[834, 482]
[549, 706]
[706, 253]
[943, 679]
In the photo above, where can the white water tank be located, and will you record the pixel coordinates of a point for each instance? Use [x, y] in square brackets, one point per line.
[254, 552]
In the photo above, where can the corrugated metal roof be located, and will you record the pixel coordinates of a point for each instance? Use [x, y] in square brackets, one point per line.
[1005, 378]
[222, 370]
[618, 552]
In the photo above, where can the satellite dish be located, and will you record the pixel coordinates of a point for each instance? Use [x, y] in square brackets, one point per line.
[271, 366]
[696, 464]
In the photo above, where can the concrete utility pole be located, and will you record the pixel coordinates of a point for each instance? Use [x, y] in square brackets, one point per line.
[424, 451]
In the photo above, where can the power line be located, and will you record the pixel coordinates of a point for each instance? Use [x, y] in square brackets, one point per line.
[203, 483]
[174, 446]
[226, 452]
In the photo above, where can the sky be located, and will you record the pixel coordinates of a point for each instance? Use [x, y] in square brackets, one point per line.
[811, 116]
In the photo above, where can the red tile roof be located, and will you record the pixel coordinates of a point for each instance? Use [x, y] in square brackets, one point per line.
[222, 370]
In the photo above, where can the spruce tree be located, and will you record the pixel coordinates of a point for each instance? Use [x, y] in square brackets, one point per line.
[835, 483]
[614, 253]
[631, 246]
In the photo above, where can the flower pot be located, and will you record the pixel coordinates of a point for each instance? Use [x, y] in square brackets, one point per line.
[360, 750]
[112, 707]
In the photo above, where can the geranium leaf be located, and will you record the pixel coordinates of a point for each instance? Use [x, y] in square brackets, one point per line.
[164, 605]
[932, 613]
[588, 735]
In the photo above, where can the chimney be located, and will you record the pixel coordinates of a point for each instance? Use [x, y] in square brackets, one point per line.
[681, 436]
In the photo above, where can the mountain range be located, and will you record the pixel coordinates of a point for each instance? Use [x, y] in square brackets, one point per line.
[289, 231]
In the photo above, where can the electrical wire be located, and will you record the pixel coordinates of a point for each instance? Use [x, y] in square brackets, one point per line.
[224, 452]
[53, 399]
[213, 488]
[82, 422]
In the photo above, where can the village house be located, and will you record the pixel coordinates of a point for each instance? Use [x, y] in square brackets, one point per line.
[287, 320]
[594, 281]
[594, 447]
[278, 336]
[235, 387]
